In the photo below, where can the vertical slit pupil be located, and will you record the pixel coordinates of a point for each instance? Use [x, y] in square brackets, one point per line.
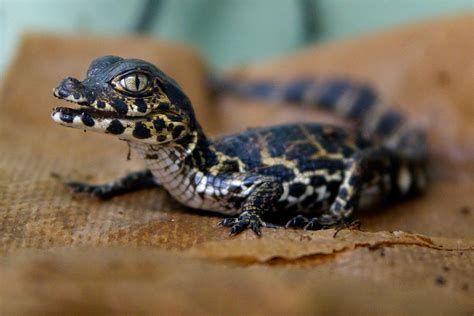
[137, 82]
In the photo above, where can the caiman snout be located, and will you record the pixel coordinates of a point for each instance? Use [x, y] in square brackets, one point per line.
[70, 89]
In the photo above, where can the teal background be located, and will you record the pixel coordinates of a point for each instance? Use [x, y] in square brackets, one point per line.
[228, 32]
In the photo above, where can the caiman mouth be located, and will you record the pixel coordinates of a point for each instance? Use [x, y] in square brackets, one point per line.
[68, 114]
[85, 111]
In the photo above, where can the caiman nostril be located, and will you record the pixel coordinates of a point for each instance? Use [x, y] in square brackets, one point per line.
[61, 92]
[70, 83]
[69, 87]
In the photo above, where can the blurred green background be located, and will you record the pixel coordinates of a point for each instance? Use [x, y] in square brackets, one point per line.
[228, 32]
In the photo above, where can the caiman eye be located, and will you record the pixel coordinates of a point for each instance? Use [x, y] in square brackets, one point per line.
[134, 83]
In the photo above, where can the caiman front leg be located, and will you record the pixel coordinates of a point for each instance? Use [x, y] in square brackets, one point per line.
[133, 181]
[259, 202]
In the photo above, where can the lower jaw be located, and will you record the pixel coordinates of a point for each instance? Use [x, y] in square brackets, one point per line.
[84, 121]
[69, 116]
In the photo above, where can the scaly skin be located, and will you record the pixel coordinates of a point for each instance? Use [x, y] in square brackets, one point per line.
[301, 169]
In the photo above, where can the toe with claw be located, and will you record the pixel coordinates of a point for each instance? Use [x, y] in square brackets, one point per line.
[348, 224]
[244, 221]
[298, 221]
[314, 224]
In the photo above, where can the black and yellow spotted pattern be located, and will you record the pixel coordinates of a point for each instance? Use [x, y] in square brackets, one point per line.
[317, 172]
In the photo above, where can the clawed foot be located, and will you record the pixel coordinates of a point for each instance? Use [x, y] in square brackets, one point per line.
[298, 221]
[351, 225]
[244, 221]
[301, 221]
[322, 222]
[100, 191]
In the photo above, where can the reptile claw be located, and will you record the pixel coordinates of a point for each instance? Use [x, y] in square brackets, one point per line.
[256, 229]
[235, 230]
[313, 224]
[353, 225]
[227, 222]
[297, 221]
[244, 221]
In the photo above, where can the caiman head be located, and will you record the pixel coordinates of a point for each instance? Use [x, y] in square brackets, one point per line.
[129, 98]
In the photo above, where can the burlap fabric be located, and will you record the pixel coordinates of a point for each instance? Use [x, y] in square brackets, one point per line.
[143, 252]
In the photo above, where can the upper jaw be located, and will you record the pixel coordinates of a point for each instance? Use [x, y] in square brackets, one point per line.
[74, 97]
[71, 89]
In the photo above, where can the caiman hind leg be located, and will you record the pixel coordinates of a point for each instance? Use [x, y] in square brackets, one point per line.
[359, 170]
[259, 202]
[133, 181]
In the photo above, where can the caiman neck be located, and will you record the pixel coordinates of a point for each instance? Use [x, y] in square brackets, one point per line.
[194, 149]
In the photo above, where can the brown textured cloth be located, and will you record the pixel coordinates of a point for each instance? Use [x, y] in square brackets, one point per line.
[144, 252]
